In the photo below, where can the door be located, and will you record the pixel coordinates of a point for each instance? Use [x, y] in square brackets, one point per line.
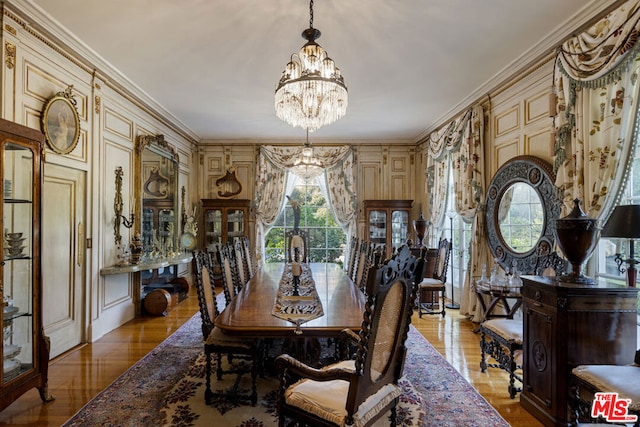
[63, 256]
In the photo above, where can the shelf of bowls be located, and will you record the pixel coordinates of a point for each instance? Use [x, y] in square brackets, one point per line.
[14, 249]
[11, 364]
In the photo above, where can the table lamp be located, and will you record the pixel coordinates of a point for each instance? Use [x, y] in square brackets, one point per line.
[624, 223]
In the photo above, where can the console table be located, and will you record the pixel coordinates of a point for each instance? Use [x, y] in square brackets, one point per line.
[569, 324]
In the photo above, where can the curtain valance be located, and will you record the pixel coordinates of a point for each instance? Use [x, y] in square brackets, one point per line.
[286, 157]
[598, 55]
[449, 138]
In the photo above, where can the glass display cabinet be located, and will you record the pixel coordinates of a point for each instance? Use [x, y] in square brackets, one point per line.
[25, 348]
[388, 222]
[224, 220]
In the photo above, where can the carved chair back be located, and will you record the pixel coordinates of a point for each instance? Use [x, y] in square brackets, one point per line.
[381, 350]
[204, 288]
[229, 279]
[300, 239]
[442, 264]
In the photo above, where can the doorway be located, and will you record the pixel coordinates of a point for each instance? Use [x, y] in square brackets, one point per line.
[63, 256]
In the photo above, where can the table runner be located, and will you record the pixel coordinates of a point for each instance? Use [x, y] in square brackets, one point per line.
[297, 304]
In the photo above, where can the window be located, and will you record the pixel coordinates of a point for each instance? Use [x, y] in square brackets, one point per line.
[459, 258]
[608, 248]
[327, 241]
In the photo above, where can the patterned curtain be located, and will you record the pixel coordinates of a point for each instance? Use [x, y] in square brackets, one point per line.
[269, 195]
[340, 184]
[273, 163]
[596, 89]
[460, 145]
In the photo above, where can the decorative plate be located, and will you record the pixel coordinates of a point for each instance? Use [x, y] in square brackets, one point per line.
[188, 241]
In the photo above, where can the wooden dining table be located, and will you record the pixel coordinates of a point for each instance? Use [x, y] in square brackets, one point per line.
[250, 312]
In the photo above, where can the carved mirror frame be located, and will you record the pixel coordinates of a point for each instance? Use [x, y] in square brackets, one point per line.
[158, 145]
[538, 174]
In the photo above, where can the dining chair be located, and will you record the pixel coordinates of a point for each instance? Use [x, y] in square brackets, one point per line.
[241, 353]
[242, 270]
[229, 278]
[361, 271]
[354, 243]
[432, 290]
[250, 259]
[297, 240]
[364, 389]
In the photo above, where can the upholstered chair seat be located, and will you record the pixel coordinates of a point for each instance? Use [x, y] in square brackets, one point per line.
[501, 339]
[325, 399]
[360, 391]
[587, 380]
[219, 338]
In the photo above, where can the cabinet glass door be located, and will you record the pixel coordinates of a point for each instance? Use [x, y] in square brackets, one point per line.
[17, 266]
[213, 227]
[378, 226]
[399, 227]
[235, 224]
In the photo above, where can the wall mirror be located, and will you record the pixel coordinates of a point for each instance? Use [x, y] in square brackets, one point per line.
[156, 185]
[521, 210]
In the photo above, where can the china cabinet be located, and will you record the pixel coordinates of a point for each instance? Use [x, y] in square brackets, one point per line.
[224, 220]
[387, 222]
[25, 348]
[569, 324]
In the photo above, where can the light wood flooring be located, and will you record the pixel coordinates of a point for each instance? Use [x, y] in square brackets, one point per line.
[77, 376]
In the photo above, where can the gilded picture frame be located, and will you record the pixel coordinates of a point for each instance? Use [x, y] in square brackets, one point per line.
[60, 122]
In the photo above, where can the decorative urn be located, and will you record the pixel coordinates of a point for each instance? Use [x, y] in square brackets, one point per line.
[420, 226]
[577, 235]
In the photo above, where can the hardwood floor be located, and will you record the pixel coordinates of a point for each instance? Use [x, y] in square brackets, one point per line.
[77, 376]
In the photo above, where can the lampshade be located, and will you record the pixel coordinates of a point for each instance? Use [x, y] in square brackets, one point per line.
[624, 222]
[311, 92]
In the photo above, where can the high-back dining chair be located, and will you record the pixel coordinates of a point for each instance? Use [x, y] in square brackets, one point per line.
[216, 342]
[250, 259]
[354, 243]
[297, 239]
[362, 268]
[431, 290]
[229, 278]
[242, 270]
[360, 391]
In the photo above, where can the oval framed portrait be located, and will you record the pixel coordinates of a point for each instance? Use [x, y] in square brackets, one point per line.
[61, 123]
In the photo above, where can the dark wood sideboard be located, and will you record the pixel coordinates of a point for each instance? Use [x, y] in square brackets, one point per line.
[565, 325]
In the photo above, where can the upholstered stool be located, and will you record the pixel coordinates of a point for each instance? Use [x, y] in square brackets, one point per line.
[586, 380]
[504, 346]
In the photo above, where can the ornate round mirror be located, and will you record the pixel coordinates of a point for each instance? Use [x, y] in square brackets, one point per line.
[520, 212]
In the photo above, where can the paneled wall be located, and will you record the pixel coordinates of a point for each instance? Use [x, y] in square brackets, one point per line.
[34, 68]
[519, 121]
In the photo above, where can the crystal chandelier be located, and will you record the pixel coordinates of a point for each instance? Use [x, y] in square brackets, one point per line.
[311, 92]
[307, 166]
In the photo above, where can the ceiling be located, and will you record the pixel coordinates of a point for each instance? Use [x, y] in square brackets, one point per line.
[408, 64]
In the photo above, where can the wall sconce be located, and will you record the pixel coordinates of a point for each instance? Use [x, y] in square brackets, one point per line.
[117, 207]
[624, 223]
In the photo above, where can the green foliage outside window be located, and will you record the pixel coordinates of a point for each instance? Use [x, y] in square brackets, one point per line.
[327, 241]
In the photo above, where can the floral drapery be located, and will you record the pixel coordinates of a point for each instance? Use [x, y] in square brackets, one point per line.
[273, 163]
[597, 90]
[459, 146]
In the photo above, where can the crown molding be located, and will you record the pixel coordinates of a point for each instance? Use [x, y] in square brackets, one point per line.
[36, 19]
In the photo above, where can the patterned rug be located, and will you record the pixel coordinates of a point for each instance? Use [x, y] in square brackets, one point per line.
[166, 388]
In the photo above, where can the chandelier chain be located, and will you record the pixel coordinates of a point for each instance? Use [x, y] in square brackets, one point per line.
[311, 14]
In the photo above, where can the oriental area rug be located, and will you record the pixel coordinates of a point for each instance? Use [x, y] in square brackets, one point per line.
[166, 388]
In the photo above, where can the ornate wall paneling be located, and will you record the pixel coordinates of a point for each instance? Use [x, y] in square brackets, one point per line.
[216, 161]
[112, 112]
[520, 122]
